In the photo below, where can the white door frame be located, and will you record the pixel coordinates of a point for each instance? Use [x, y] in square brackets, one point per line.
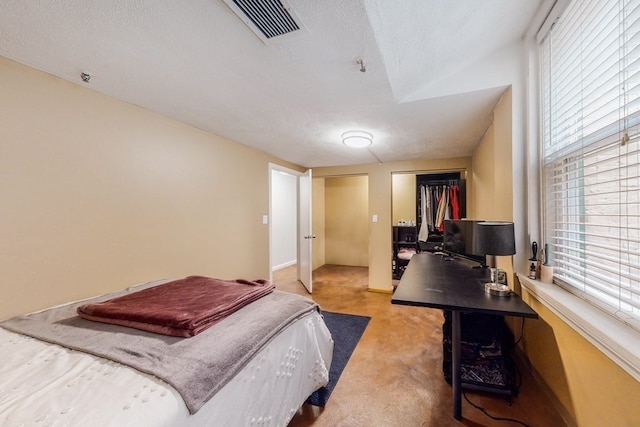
[297, 174]
[305, 231]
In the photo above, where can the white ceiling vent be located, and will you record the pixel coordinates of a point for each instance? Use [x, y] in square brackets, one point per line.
[267, 18]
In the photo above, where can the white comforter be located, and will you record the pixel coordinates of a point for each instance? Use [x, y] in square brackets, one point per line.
[46, 385]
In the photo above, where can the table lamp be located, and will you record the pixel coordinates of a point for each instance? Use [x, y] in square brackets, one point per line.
[495, 238]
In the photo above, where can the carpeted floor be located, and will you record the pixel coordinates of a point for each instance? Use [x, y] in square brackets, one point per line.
[346, 330]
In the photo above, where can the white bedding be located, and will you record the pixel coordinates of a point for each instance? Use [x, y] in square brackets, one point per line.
[43, 384]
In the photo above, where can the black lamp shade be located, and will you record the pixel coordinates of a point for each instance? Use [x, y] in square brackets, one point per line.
[495, 238]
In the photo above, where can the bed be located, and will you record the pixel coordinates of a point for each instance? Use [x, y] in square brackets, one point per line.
[43, 383]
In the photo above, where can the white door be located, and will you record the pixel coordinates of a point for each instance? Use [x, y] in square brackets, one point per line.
[305, 234]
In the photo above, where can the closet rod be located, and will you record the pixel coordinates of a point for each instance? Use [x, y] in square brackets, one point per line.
[441, 182]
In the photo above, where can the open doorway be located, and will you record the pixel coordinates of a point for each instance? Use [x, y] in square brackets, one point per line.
[290, 236]
[339, 222]
[420, 202]
[284, 221]
[346, 220]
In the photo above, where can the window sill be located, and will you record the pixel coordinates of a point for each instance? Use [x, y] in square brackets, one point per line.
[620, 342]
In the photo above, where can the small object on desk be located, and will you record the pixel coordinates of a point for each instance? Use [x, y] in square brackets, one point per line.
[497, 289]
[496, 238]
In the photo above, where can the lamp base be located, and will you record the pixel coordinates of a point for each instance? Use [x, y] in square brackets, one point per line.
[497, 289]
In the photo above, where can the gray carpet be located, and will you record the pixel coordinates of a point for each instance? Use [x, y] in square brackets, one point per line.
[346, 330]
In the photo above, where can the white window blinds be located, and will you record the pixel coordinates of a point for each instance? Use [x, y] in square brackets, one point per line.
[590, 126]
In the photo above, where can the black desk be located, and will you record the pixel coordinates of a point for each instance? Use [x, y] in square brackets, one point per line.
[436, 281]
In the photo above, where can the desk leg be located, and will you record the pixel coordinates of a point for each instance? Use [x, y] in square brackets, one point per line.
[455, 364]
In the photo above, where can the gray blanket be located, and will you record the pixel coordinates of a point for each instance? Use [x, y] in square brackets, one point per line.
[196, 367]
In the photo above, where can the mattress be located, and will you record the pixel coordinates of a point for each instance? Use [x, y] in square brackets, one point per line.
[44, 384]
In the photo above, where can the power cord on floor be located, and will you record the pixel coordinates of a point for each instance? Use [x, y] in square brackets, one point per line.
[521, 334]
[515, 365]
[518, 377]
[484, 411]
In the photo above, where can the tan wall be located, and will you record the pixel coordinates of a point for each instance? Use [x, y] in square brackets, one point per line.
[346, 225]
[503, 170]
[483, 177]
[380, 183]
[492, 177]
[492, 167]
[98, 195]
[403, 197]
[592, 389]
[318, 223]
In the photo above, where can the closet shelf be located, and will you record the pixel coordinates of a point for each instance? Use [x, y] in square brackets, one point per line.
[405, 241]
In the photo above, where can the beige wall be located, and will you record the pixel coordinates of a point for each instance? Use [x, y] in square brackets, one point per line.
[492, 165]
[318, 223]
[483, 177]
[98, 195]
[346, 225]
[591, 388]
[492, 176]
[403, 197]
[380, 183]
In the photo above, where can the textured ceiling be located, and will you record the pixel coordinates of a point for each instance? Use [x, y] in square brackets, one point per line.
[435, 69]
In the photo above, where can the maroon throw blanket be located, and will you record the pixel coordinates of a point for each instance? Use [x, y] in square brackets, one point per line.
[181, 308]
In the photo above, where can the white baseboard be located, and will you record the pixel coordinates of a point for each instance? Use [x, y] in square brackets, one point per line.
[284, 265]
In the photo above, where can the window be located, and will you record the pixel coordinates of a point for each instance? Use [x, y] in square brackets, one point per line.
[590, 130]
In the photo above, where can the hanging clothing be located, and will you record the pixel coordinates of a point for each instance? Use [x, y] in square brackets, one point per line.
[454, 201]
[429, 197]
[447, 207]
[442, 208]
[437, 204]
[425, 208]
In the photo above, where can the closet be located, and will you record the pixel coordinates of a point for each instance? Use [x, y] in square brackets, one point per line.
[405, 244]
[439, 196]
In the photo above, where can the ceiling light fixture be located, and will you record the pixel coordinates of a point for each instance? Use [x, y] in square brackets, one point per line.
[357, 139]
